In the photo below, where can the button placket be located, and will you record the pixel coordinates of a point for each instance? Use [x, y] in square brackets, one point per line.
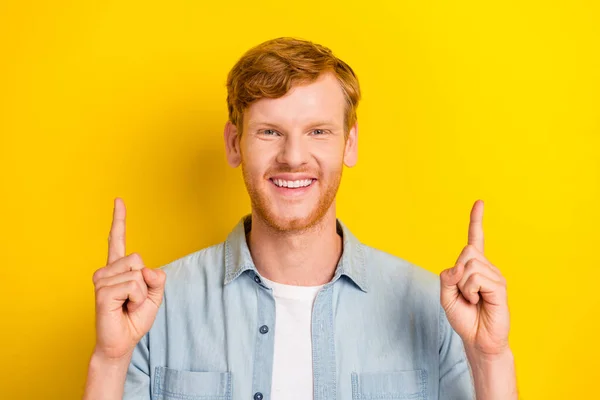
[264, 344]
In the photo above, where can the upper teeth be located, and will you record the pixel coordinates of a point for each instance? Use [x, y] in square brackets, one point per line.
[292, 184]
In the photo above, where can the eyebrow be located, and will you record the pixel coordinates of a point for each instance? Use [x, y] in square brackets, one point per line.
[253, 124]
[323, 123]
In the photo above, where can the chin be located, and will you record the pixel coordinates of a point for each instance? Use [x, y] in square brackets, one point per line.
[290, 223]
[287, 217]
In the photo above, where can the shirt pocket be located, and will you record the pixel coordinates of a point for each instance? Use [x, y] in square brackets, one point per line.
[172, 384]
[398, 385]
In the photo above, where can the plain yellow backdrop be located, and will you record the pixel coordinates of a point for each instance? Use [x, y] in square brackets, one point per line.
[462, 100]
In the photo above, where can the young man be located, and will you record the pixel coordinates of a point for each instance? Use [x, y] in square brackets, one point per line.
[292, 305]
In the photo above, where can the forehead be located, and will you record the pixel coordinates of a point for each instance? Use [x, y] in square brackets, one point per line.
[321, 100]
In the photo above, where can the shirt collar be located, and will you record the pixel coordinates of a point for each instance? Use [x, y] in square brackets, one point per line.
[238, 258]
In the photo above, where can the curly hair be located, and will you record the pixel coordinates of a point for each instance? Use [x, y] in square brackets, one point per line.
[272, 68]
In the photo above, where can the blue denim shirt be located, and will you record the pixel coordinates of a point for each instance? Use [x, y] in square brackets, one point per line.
[378, 331]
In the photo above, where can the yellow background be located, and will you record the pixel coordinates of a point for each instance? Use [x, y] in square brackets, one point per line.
[462, 100]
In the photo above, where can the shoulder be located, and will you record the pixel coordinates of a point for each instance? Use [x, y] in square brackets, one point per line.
[206, 264]
[391, 274]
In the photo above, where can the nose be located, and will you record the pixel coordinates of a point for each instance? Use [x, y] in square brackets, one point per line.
[294, 151]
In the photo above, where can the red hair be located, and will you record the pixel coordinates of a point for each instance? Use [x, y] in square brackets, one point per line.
[272, 68]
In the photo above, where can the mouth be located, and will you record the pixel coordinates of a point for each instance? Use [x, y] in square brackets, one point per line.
[297, 184]
[293, 187]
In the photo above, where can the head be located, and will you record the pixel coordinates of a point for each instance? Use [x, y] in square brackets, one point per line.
[292, 127]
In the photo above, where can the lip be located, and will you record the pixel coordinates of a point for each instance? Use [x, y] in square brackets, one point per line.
[292, 177]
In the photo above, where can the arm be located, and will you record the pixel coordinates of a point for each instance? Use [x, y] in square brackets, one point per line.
[105, 378]
[494, 376]
[474, 296]
[128, 296]
[467, 374]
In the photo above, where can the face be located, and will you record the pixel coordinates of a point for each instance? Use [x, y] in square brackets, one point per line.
[292, 151]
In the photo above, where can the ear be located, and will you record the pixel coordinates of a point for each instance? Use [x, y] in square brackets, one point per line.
[232, 145]
[351, 149]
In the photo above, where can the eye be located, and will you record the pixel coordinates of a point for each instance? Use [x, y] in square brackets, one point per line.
[319, 132]
[269, 132]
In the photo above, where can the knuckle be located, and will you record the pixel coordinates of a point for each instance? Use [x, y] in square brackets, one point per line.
[470, 265]
[474, 280]
[476, 277]
[114, 238]
[476, 264]
[470, 279]
[97, 275]
[135, 258]
[132, 285]
[139, 277]
[503, 280]
[138, 288]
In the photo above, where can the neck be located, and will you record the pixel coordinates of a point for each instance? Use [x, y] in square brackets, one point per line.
[303, 258]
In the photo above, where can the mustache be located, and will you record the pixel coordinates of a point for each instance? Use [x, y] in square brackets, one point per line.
[291, 171]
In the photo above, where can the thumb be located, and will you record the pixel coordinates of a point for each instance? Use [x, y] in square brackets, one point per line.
[449, 279]
[155, 279]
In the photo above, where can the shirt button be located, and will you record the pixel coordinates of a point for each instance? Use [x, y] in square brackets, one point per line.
[257, 280]
[258, 396]
[264, 329]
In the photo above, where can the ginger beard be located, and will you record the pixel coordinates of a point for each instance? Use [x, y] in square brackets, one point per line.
[311, 212]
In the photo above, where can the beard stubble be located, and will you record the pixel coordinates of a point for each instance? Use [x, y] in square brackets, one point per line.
[261, 204]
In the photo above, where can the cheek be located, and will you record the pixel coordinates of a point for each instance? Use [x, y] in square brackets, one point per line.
[257, 160]
[329, 159]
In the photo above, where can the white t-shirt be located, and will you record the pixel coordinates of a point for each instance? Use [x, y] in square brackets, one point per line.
[292, 359]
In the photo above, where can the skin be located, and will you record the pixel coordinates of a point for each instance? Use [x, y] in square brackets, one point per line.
[293, 238]
[128, 296]
[473, 295]
[294, 241]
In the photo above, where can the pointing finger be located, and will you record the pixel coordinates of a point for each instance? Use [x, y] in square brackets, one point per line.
[470, 252]
[116, 238]
[476, 226]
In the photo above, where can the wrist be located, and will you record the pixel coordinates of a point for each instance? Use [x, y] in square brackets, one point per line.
[478, 357]
[100, 359]
[106, 377]
[493, 374]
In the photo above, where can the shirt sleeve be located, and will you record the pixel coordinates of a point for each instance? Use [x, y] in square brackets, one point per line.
[456, 381]
[137, 383]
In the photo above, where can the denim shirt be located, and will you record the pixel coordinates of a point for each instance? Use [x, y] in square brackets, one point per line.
[378, 331]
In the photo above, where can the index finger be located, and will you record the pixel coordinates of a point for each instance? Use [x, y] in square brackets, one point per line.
[476, 226]
[116, 238]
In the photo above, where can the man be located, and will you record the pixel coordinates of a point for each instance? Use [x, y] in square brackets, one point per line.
[292, 305]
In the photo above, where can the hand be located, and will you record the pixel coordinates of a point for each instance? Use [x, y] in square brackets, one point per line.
[473, 294]
[128, 295]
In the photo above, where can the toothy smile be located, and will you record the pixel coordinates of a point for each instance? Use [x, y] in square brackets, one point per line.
[292, 184]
